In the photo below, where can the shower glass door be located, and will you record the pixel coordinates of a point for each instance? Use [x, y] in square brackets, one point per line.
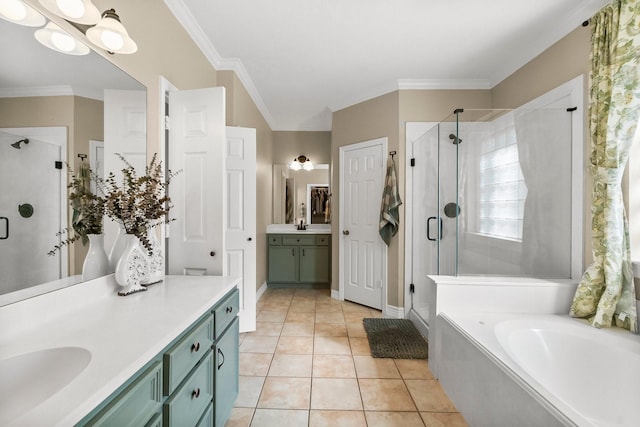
[31, 209]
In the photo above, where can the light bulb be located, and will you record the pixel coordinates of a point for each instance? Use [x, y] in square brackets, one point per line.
[13, 9]
[71, 8]
[63, 42]
[112, 40]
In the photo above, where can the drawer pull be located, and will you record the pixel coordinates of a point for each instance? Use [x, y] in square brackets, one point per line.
[222, 356]
[229, 309]
[303, 252]
[293, 252]
[195, 347]
[195, 393]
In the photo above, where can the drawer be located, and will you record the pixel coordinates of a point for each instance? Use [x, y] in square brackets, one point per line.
[226, 311]
[207, 418]
[322, 239]
[275, 240]
[156, 421]
[183, 356]
[191, 399]
[298, 240]
[138, 404]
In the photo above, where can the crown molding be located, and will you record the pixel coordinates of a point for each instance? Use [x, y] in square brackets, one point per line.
[26, 92]
[435, 84]
[191, 26]
[414, 84]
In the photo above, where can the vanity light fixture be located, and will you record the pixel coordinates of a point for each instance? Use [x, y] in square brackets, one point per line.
[110, 34]
[20, 13]
[54, 37]
[79, 11]
[301, 162]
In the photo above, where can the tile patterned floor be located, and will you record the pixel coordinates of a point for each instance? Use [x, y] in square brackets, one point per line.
[308, 364]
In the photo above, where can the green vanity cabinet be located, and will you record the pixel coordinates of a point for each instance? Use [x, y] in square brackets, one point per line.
[226, 376]
[295, 259]
[139, 404]
[192, 382]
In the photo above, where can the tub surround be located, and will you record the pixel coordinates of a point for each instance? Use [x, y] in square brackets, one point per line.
[493, 294]
[542, 370]
[122, 334]
[292, 229]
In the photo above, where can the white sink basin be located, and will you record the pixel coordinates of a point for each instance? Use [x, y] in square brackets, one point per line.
[31, 378]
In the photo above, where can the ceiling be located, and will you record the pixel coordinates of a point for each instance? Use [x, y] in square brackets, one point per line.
[303, 60]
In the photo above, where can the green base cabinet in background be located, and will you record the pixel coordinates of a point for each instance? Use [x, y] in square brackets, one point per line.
[193, 382]
[299, 259]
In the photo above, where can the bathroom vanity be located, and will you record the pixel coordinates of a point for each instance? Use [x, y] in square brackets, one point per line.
[298, 257]
[85, 356]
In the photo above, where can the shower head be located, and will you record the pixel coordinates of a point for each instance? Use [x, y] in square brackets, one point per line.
[454, 139]
[17, 143]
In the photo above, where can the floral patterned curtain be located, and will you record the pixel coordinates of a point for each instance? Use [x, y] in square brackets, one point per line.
[606, 294]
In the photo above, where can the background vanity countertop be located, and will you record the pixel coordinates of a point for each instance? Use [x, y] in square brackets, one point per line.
[122, 334]
[291, 229]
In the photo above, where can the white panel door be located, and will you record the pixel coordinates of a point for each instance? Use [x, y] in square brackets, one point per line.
[364, 252]
[125, 133]
[240, 219]
[196, 138]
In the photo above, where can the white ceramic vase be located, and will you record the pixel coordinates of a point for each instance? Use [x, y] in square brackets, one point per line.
[96, 263]
[133, 267]
[156, 259]
[117, 249]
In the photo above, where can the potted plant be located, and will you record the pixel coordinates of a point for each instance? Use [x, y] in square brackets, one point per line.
[88, 210]
[138, 204]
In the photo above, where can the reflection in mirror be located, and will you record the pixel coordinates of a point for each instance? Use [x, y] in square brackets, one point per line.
[292, 195]
[59, 103]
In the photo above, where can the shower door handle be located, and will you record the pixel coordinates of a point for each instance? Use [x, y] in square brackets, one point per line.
[6, 234]
[429, 229]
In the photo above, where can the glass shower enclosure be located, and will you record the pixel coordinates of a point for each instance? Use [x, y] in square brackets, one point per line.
[493, 192]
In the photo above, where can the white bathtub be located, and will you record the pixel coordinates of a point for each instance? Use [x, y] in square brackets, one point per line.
[539, 370]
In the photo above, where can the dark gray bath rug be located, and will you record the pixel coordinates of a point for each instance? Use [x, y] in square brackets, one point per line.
[395, 338]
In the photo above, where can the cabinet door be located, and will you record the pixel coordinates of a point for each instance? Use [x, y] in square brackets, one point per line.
[137, 405]
[226, 373]
[314, 264]
[283, 264]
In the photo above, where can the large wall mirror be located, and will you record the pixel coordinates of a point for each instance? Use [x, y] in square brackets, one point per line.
[54, 108]
[301, 195]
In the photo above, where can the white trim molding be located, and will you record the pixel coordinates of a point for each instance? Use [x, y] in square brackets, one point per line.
[393, 312]
[335, 294]
[261, 290]
[191, 26]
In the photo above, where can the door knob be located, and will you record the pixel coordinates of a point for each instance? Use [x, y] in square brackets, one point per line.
[249, 239]
[345, 232]
[212, 253]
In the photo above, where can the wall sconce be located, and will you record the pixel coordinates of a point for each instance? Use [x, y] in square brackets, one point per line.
[79, 11]
[18, 12]
[105, 31]
[301, 162]
[59, 40]
[110, 34]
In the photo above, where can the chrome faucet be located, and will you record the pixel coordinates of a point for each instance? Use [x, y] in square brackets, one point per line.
[302, 226]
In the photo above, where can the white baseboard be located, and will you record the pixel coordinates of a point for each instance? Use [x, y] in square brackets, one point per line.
[335, 294]
[419, 323]
[393, 312]
[261, 290]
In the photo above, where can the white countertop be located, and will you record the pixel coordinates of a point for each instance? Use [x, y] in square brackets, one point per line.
[292, 229]
[122, 334]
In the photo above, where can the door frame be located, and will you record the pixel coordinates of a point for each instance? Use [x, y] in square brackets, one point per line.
[383, 141]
